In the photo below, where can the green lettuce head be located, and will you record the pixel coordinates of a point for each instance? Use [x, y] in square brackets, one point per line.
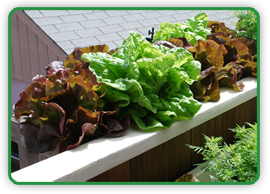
[149, 82]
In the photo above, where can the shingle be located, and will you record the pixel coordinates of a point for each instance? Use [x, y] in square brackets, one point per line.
[50, 13]
[111, 44]
[88, 32]
[111, 28]
[167, 12]
[73, 18]
[151, 14]
[76, 12]
[48, 21]
[69, 26]
[109, 37]
[149, 22]
[85, 41]
[181, 16]
[96, 15]
[166, 19]
[133, 17]
[125, 33]
[62, 36]
[130, 25]
[93, 23]
[114, 20]
[114, 13]
[66, 45]
[223, 15]
[49, 29]
[34, 13]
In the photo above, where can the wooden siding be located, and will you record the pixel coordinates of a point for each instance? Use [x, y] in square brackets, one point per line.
[31, 48]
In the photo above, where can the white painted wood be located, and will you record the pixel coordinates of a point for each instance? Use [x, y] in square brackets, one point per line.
[98, 156]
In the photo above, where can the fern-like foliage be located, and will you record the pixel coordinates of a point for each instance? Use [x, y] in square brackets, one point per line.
[231, 163]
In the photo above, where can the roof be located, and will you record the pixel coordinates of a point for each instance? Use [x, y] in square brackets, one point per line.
[73, 28]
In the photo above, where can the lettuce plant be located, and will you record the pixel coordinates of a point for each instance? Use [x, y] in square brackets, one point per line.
[65, 108]
[148, 82]
[193, 29]
[225, 57]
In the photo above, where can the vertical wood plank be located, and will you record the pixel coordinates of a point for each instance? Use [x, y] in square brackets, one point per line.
[120, 173]
[33, 53]
[52, 56]
[15, 49]
[26, 158]
[24, 47]
[43, 56]
[177, 157]
[148, 166]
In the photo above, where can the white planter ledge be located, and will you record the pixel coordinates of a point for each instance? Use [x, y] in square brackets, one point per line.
[93, 158]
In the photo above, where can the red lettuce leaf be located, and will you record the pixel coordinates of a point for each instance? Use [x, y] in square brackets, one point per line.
[180, 42]
[229, 75]
[82, 122]
[209, 53]
[29, 103]
[207, 87]
[110, 125]
[39, 140]
[75, 57]
[60, 109]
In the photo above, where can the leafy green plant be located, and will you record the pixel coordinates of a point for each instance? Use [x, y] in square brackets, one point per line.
[247, 24]
[234, 162]
[148, 82]
[194, 29]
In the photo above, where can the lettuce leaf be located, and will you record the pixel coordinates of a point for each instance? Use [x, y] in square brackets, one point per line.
[193, 29]
[65, 108]
[148, 82]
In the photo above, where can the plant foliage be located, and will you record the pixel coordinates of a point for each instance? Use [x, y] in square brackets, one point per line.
[247, 24]
[148, 82]
[234, 162]
[194, 29]
[225, 56]
[95, 91]
[65, 108]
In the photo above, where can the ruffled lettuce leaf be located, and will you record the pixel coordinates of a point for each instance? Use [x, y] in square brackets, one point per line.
[207, 87]
[209, 53]
[143, 79]
[75, 57]
[194, 29]
[63, 108]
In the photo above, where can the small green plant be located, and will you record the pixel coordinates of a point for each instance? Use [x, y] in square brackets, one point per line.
[247, 24]
[234, 162]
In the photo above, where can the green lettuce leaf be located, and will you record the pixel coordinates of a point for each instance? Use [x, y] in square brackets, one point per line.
[193, 29]
[148, 82]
